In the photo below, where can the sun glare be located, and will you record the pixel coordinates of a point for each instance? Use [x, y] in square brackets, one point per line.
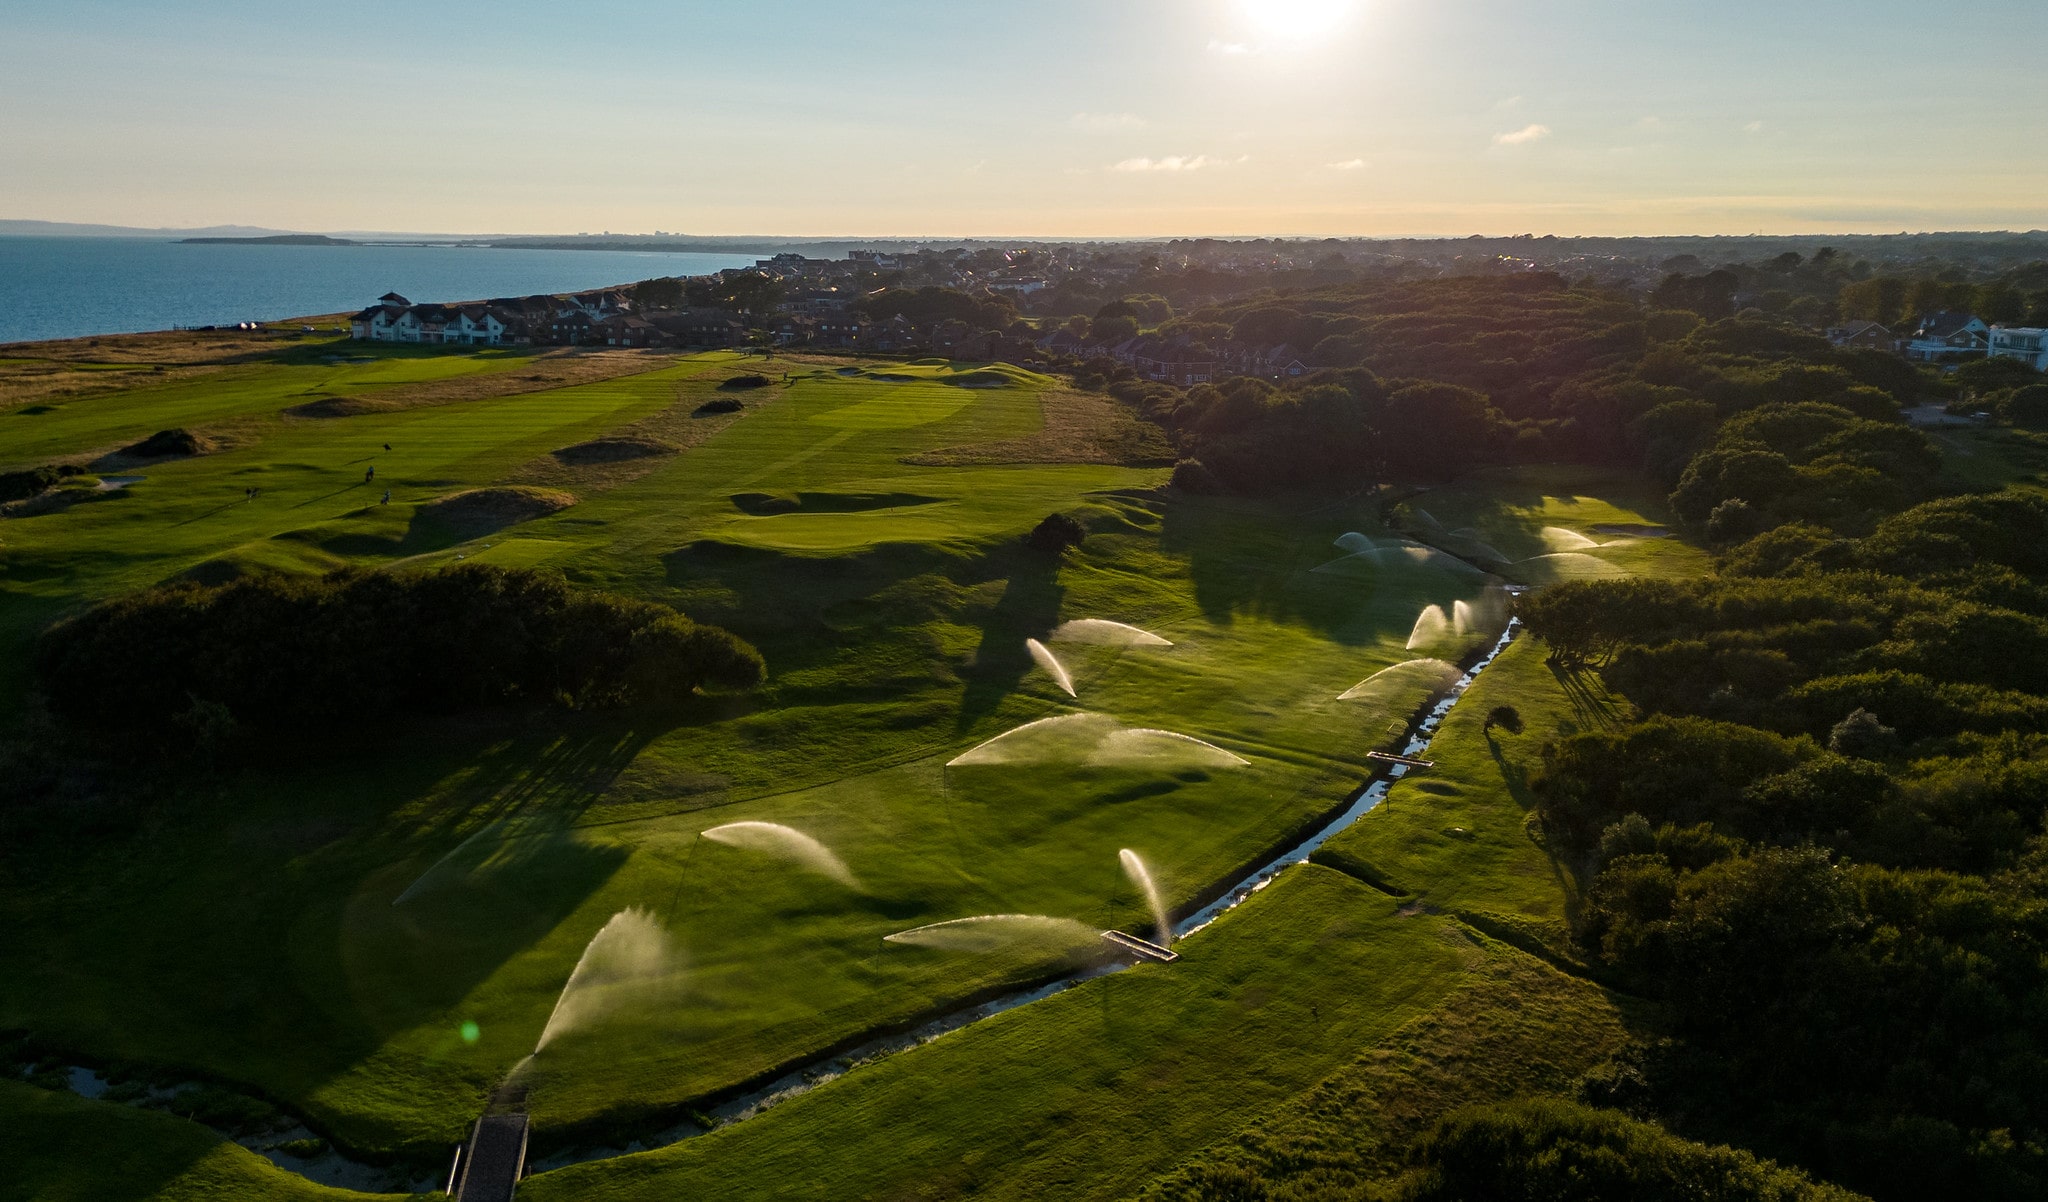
[1296, 20]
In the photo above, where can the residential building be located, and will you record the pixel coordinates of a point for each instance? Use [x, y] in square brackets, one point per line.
[1946, 335]
[1868, 334]
[2028, 344]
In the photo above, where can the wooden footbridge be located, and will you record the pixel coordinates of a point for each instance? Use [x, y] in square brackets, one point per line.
[489, 1166]
[1141, 949]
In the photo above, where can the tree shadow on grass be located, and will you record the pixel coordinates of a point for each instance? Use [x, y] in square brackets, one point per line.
[1029, 608]
[1592, 705]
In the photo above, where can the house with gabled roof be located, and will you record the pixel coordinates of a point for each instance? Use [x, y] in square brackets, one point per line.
[700, 327]
[1868, 334]
[623, 329]
[1945, 335]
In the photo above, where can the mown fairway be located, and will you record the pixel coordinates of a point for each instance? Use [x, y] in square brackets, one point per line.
[255, 931]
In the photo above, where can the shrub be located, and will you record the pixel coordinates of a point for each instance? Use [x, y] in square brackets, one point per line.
[1192, 476]
[721, 404]
[1056, 534]
[1555, 1151]
[1862, 736]
[2026, 407]
[1732, 522]
[744, 383]
[19, 486]
[278, 653]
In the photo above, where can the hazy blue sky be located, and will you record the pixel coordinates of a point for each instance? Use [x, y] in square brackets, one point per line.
[1045, 117]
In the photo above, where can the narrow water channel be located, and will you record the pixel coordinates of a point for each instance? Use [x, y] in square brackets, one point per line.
[330, 1167]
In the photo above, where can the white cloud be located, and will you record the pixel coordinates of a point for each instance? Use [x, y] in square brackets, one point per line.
[1650, 123]
[1347, 165]
[1523, 136]
[1219, 46]
[1107, 123]
[1177, 162]
[1754, 127]
[1512, 102]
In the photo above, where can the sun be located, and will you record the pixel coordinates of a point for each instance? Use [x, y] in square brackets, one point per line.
[1296, 20]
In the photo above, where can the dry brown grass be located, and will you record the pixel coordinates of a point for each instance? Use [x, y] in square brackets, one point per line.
[167, 347]
[48, 373]
[1079, 428]
[555, 369]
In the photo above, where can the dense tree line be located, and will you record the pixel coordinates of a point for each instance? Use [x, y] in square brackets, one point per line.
[284, 654]
[1821, 842]
[925, 307]
[1445, 374]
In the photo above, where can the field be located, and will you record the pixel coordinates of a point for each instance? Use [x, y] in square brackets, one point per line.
[373, 932]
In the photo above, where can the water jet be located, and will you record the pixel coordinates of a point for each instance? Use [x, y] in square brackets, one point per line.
[785, 843]
[1051, 663]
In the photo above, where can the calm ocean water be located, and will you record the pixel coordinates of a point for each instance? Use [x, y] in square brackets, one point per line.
[70, 287]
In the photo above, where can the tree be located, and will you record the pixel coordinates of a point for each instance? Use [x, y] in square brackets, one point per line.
[1057, 533]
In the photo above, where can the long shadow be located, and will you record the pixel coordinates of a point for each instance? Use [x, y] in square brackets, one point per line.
[1029, 607]
[330, 496]
[1251, 558]
[209, 513]
[1592, 707]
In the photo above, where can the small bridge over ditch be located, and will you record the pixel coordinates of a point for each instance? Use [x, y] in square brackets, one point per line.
[489, 1166]
[1138, 948]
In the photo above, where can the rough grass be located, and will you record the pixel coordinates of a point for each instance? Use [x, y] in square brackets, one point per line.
[1091, 1093]
[1455, 837]
[58, 1147]
[1079, 428]
[544, 373]
[1516, 1028]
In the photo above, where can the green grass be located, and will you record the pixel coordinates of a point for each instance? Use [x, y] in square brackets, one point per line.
[58, 1147]
[1546, 522]
[1454, 836]
[1513, 1029]
[1092, 1092]
[1988, 458]
[892, 602]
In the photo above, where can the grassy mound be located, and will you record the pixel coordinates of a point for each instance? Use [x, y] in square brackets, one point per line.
[720, 404]
[614, 450]
[171, 444]
[746, 382]
[482, 510]
[58, 1145]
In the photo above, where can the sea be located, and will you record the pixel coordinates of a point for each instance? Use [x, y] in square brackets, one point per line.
[74, 287]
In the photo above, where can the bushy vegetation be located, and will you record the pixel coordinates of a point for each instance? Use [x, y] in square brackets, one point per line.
[928, 306]
[1058, 533]
[291, 653]
[1545, 1150]
[17, 486]
[1421, 380]
[1822, 843]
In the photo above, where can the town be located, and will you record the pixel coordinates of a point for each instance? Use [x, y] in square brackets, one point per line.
[1068, 303]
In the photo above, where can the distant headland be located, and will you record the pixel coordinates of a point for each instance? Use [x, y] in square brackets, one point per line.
[275, 240]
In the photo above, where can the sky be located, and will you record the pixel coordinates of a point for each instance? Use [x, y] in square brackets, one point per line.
[1030, 118]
